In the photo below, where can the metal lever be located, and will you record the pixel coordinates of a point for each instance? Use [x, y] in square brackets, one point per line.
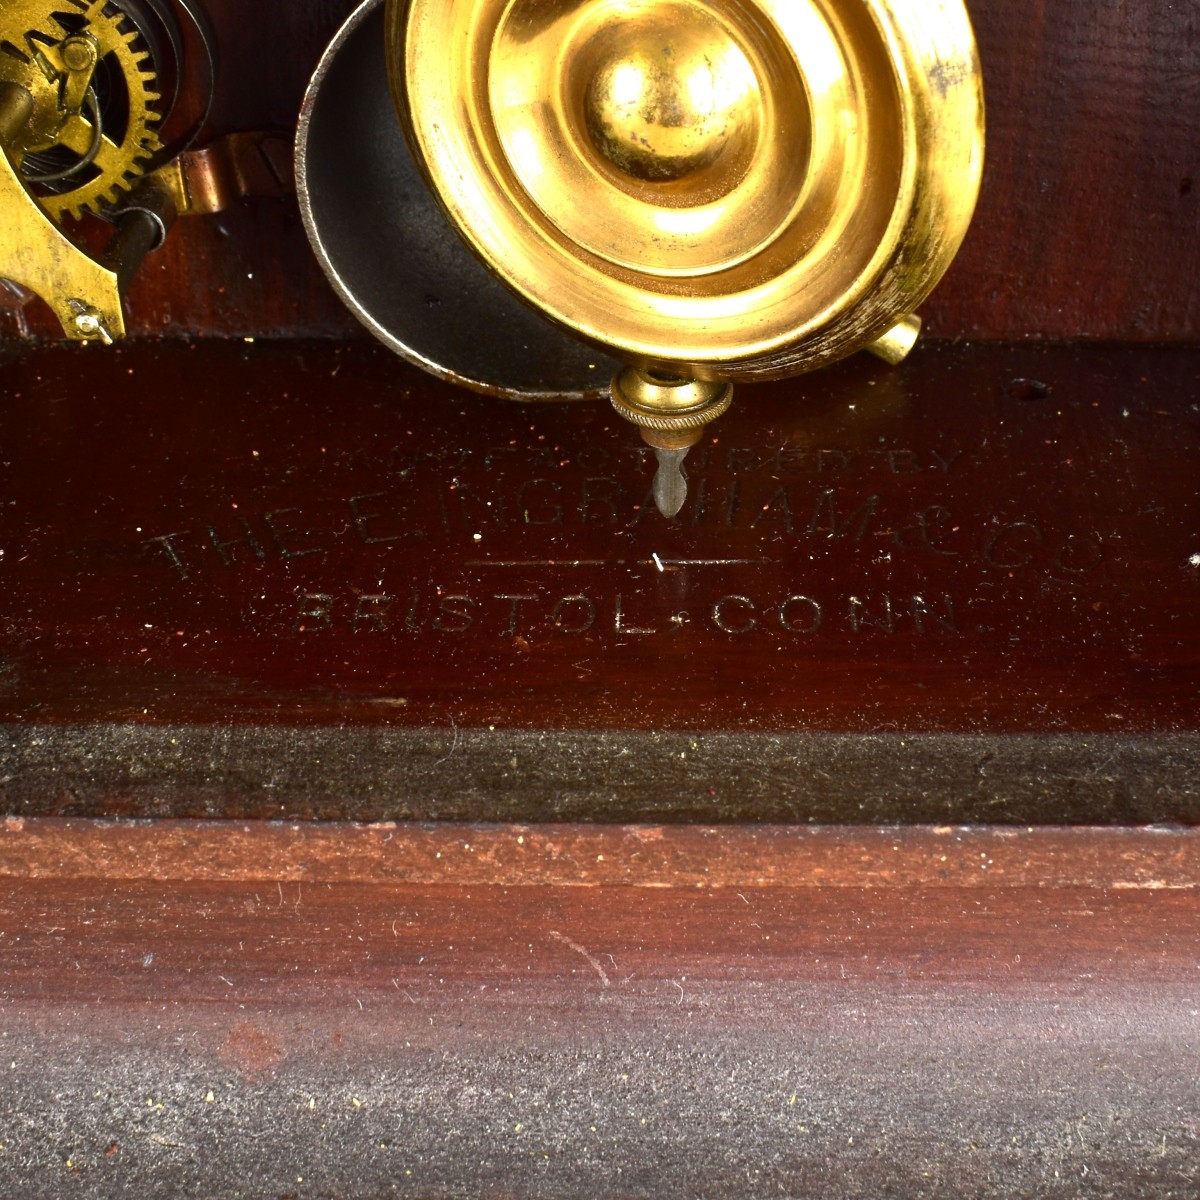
[85, 295]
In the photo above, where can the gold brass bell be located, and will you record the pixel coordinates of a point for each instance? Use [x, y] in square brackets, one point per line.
[709, 191]
[713, 191]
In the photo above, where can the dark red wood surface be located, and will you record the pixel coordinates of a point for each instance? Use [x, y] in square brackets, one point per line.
[354, 1012]
[988, 540]
[1089, 224]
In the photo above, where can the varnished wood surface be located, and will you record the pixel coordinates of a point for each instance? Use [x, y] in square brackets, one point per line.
[1089, 225]
[339, 1012]
[986, 540]
[592, 856]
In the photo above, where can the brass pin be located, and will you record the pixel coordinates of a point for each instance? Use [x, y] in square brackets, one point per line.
[672, 412]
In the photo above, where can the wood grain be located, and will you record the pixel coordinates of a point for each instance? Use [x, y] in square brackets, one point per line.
[1089, 220]
[311, 534]
[592, 856]
[306, 1016]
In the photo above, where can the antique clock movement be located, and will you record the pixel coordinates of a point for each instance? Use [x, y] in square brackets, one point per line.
[97, 102]
[706, 192]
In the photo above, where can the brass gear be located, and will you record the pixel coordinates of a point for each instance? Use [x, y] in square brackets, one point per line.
[30, 30]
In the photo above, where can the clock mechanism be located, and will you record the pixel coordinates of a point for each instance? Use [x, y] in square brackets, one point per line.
[98, 100]
[96, 103]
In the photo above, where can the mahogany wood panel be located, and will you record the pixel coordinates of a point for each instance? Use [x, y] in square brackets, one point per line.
[306, 580]
[1089, 225]
[593, 856]
[984, 540]
[805, 1019]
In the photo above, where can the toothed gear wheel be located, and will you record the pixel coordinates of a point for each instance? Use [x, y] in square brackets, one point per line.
[123, 101]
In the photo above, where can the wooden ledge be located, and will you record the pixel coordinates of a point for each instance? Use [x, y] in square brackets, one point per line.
[590, 856]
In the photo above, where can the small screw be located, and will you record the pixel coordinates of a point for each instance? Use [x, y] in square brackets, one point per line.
[79, 54]
[90, 324]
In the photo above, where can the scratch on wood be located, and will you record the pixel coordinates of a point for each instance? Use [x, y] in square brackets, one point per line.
[454, 741]
[566, 941]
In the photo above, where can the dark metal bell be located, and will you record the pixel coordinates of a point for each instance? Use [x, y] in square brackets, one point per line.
[393, 255]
